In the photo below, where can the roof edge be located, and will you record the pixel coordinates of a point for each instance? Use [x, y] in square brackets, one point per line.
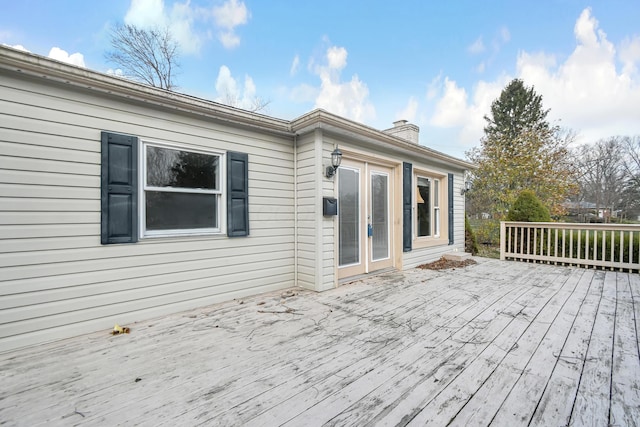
[39, 66]
[320, 118]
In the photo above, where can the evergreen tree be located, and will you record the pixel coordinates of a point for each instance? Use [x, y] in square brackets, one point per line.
[520, 150]
[518, 109]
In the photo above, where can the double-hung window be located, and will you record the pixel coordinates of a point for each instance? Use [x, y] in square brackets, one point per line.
[427, 207]
[182, 191]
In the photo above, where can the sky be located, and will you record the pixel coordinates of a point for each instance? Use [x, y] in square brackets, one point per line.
[437, 64]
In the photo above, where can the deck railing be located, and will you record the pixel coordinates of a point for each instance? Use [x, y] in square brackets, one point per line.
[612, 246]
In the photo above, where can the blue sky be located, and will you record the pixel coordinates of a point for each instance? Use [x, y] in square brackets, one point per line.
[437, 64]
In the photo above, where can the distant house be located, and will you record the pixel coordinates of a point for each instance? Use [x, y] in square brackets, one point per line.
[588, 212]
[120, 202]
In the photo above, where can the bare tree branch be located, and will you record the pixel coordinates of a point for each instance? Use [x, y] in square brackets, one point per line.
[255, 105]
[149, 56]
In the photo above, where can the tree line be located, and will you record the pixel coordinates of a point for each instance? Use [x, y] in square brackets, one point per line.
[522, 151]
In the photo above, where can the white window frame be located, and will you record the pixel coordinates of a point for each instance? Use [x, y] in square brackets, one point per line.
[434, 204]
[220, 193]
[436, 207]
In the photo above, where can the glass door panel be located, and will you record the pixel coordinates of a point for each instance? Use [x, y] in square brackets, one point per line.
[348, 216]
[379, 216]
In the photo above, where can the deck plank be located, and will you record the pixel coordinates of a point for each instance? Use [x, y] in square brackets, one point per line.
[467, 384]
[520, 405]
[565, 377]
[406, 394]
[625, 370]
[593, 400]
[554, 345]
[489, 398]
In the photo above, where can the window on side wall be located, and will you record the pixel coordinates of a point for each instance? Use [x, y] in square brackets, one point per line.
[427, 207]
[182, 191]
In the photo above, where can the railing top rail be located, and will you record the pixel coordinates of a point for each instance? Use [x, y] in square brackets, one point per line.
[574, 226]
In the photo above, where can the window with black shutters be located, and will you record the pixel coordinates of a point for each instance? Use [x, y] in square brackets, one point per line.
[163, 190]
[182, 191]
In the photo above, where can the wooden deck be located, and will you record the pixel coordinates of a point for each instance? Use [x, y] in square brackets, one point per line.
[498, 343]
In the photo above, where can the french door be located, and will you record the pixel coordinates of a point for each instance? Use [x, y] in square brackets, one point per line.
[365, 218]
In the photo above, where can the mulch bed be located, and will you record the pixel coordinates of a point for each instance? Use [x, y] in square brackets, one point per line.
[445, 264]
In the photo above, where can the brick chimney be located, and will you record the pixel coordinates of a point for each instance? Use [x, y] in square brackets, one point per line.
[405, 130]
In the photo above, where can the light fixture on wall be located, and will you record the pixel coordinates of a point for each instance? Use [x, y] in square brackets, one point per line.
[466, 188]
[336, 158]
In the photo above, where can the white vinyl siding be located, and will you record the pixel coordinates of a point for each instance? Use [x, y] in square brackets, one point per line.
[57, 280]
[306, 211]
[328, 258]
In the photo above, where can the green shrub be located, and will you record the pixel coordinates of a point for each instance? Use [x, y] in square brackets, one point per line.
[470, 241]
[488, 232]
[528, 208]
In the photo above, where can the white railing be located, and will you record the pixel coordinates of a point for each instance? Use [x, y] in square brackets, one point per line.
[612, 246]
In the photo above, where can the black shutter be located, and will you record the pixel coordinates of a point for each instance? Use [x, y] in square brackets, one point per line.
[450, 205]
[119, 188]
[407, 207]
[237, 194]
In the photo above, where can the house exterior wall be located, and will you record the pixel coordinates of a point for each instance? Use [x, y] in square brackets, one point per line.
[306, 174]
[328, 230]
[57, 280]
[316, 257]
[61, 275]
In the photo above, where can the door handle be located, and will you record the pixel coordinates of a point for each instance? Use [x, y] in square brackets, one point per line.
[369, 230]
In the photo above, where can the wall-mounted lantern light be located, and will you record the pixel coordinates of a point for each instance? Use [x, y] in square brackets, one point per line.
[466, 188]
[336, 158]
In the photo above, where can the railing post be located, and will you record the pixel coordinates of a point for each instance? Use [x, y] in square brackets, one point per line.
[503, 237]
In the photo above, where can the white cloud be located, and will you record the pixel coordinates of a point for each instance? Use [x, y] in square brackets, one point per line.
[629, 54]
[181, 24]
[295, 66]
[17, 46]
[594, 91]
[229, 39]
[231, 14]
[454, 109]
[62, 55]
[57, 54]
[409, 112]
[228, 16]
[337, 58]
[476, 47]
[588, 90]
[179, 20]
[451, 109]
[117, 72]
[433, 90]
[232, 93]
[146, 14]
[346, 98]
[188, 23]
